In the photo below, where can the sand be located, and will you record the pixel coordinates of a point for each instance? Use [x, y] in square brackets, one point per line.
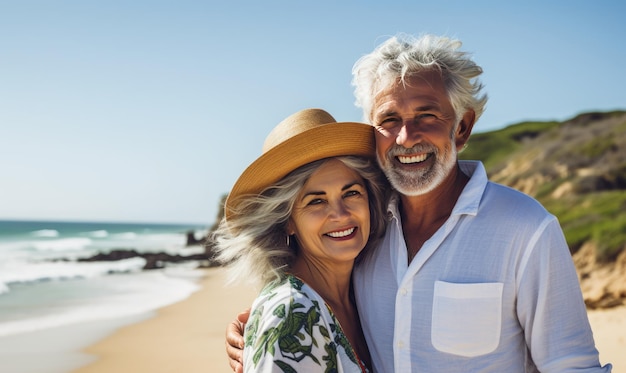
[609, 331]
[189, 336]
[184, 337]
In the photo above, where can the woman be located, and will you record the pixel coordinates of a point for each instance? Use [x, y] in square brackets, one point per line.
[295, 222]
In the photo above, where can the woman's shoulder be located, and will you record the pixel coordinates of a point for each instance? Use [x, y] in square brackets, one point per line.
[290, 293]
[287, 309]
[289, 328]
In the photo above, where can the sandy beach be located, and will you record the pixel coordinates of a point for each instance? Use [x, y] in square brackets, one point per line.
[609, 331]
[189, 336]
[184, 337]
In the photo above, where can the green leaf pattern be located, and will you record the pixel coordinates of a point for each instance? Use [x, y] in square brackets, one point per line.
[288, 331]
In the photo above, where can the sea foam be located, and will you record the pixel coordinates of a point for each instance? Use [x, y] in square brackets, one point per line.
[45, 233]
[63, 244]
[126, 295]
[17, 272]
[98, 234]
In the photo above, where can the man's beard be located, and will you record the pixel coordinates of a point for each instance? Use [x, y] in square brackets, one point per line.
[422, 181]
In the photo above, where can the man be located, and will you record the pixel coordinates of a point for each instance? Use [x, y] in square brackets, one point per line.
[471, 276]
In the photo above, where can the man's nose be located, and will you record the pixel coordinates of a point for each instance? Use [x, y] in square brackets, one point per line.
[408, 135]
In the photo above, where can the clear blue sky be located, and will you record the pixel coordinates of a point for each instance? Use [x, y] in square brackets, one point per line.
[149, 110]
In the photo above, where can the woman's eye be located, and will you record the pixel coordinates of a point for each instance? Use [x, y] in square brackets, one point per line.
[351, 193]
[315, 201]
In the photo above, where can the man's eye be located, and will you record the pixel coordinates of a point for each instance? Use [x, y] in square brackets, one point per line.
[387, 122]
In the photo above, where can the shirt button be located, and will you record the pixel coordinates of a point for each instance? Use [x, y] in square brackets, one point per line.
[400, 344]
[403, 291]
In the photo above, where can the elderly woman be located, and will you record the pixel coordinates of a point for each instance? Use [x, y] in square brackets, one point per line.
[295, 222]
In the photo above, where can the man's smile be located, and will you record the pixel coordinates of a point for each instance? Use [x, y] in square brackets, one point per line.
[415, 158]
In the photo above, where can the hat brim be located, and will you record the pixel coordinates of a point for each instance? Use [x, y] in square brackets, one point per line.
[324, 141]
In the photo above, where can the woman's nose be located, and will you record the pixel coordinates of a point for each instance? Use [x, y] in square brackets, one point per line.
[339, 209]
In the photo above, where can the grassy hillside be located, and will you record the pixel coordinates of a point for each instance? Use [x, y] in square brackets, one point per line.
[575, 168]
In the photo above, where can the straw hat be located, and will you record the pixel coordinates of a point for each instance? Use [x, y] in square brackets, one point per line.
[306, 136]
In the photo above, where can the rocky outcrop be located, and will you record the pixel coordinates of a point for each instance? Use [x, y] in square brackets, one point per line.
[192, 240]
[153, 260]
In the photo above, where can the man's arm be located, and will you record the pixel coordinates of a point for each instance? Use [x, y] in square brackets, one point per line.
[551, 308]
[235, 341]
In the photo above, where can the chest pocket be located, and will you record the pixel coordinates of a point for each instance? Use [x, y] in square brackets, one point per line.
[467, 318]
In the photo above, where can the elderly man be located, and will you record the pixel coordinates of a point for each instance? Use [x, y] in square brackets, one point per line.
[471, 276]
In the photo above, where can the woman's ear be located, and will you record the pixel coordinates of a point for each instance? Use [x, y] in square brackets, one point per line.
[290, 228]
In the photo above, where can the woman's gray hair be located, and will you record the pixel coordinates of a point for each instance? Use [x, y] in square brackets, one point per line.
[254, 243]
[404, 55]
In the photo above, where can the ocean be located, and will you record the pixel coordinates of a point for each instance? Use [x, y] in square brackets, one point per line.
[43, 286]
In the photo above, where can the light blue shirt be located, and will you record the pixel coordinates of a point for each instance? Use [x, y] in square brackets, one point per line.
[493, 290]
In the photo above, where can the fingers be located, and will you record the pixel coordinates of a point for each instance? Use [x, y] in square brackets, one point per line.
[234, 335]
[236, 364]
[234, 345]
[235, 341]
[244, 316]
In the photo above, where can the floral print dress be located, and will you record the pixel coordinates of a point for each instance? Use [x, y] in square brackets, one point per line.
[291, 329]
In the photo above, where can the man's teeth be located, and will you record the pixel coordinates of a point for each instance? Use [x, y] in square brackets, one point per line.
[412, 158]
[340, 234]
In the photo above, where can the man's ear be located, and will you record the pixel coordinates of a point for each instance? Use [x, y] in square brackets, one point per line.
[464, 129]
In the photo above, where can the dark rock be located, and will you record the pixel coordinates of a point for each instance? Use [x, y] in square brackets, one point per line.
[192, 240]
[153, 260]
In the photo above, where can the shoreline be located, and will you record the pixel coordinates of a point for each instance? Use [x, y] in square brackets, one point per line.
[185, 336]
[58, 349]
